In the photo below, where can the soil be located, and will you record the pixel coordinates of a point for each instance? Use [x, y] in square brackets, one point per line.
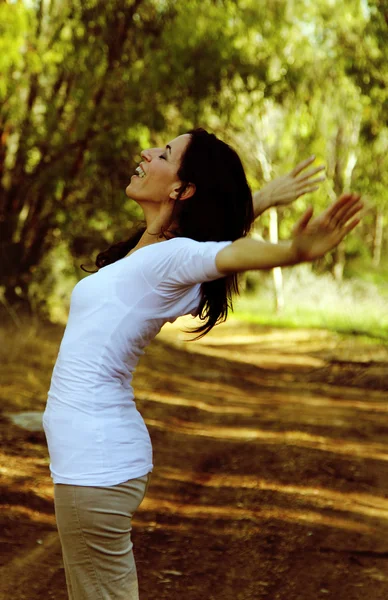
[270, 479]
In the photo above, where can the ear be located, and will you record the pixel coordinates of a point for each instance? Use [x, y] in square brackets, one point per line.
[188, 192]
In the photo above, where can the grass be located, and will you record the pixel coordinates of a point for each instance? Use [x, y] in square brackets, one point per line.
[307, 317]
[26, 362]
[352, 307]
[28, 353]
[356, 307]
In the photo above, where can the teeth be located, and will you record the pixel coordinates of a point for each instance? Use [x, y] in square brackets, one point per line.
[140, 172]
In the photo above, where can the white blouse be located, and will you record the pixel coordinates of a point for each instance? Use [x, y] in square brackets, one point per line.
[95, 434]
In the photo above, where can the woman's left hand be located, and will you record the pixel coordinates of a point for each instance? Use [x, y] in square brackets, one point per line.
[312, 238]
[287, 188]
[297, 182]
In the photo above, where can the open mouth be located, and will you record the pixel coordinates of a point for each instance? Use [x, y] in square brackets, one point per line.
[140, 172]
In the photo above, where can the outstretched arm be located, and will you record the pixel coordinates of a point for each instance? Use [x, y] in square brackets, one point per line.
[287, 188]
[312, 238]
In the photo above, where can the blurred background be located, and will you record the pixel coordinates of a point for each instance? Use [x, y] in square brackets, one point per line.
[270, 435]
[85, 85]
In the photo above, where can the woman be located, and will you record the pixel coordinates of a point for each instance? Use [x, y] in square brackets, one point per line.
[198, 209]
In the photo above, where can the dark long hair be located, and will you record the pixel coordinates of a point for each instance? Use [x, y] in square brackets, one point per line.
[221, 209]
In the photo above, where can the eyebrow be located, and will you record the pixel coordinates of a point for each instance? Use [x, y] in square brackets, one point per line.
[169, 148]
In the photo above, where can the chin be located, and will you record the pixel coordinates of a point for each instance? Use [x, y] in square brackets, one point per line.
[130, 192]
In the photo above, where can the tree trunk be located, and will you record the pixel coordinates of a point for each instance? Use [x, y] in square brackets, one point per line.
[339, 263]
[277, 274]
[345, 162]
[378, 237]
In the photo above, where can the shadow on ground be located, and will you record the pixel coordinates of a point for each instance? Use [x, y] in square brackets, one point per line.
[270, 479]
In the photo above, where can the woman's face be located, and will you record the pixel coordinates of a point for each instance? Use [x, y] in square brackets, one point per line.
[157, 175]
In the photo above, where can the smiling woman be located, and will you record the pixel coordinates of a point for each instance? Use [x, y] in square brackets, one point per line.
[194, 188]
[198, 209]
[157, 176]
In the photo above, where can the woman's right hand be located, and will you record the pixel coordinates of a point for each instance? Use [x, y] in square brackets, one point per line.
[312, 238]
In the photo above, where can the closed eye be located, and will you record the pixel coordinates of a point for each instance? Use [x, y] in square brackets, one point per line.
[164, 156]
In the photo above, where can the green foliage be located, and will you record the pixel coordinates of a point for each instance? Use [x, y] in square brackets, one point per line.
[354, 306]
[87, 84]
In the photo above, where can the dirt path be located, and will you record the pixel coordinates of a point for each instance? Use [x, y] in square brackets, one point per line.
[270, 480]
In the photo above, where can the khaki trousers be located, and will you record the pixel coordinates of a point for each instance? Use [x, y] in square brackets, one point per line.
[94, 525]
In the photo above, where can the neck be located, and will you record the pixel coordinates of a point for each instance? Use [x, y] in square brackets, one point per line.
[159, 218]
[151, 212]
[155, 232]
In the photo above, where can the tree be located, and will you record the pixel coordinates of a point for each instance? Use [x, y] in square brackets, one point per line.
[86, 84]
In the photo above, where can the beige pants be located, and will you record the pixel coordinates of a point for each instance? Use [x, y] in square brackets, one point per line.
[94, 525]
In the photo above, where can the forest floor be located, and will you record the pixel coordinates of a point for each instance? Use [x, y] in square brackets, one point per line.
[270, 479]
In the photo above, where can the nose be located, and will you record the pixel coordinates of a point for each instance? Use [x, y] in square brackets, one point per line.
[146, 154]
[150, 153]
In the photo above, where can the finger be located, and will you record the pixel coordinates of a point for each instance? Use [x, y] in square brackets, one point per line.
[352, 225]
[349, 227]
[311, 188]
[341, 215]
[307, 183]
[304, 220]
[302, 165]
[342, 207]
[304, 187]
[311, 173]
[305, 190]
[350, 212]
[343, 201]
